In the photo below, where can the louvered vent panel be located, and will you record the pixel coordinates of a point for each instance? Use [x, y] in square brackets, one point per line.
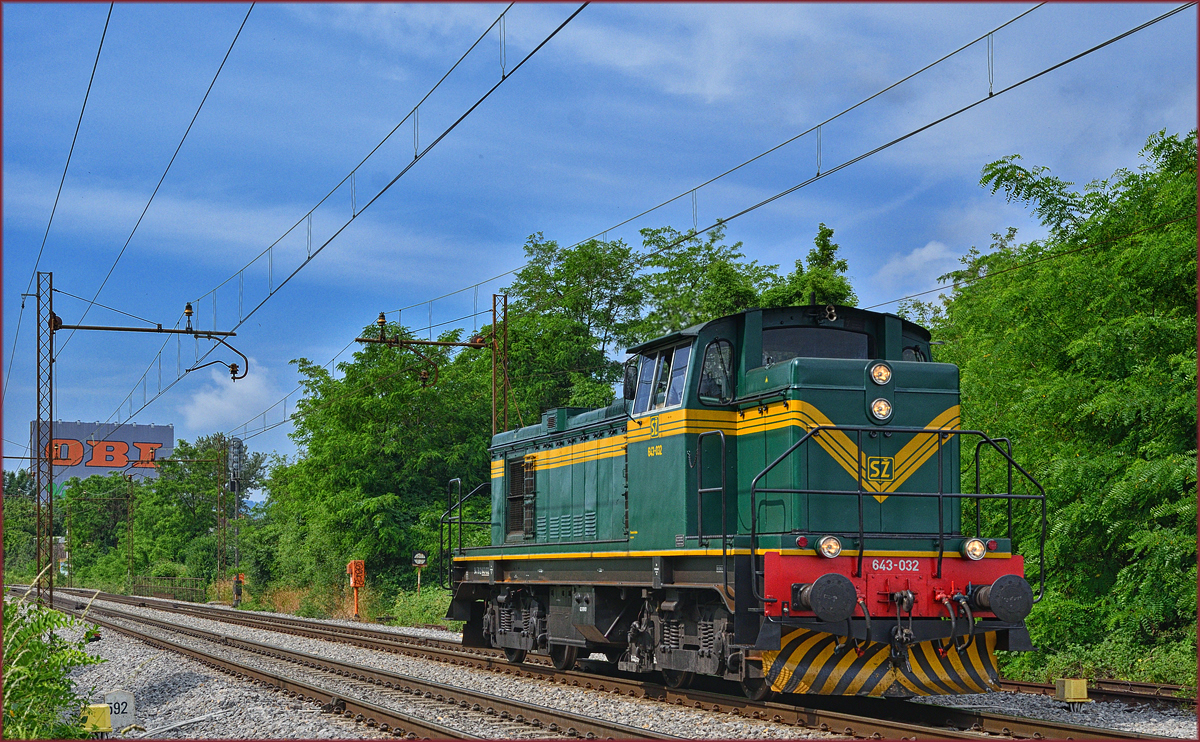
[589, 524]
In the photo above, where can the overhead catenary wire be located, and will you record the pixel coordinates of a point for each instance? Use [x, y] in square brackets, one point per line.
[103, 306]
[308, 215]
[814, 128]
[989, 275]
[991, 94]
[897, 140]
[54, 208]
[342, 228]
[157, 186]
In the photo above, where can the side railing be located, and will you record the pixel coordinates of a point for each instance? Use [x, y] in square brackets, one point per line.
[451, 521]
[942, 435]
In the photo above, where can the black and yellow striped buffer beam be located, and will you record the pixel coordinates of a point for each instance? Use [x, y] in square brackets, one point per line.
[811, 662]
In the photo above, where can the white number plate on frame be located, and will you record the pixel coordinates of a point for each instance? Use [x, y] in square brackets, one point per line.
[896, 565]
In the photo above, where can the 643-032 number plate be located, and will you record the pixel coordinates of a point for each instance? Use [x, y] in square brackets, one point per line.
[895, 565]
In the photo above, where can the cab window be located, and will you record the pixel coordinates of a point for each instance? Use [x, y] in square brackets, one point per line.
[716, 373]
[645, 375]
[661, 378]
[678, 375]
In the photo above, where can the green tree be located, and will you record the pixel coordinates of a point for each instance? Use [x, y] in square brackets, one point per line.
[825, 277]
[377, 449]
[1082, 349]
[591, 284]
[20, 525]
[689, 280]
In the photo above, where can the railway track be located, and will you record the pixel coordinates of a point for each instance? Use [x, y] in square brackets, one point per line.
[1116, 690]
[885, 718]
[523, 719]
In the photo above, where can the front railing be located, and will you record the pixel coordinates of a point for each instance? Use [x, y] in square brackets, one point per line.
[942, 435]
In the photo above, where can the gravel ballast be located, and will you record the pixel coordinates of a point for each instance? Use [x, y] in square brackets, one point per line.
[169, 689]
[691, 723]
[634, 712]
[1165, 721]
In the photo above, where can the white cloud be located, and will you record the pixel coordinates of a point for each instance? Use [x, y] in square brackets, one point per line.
[918, 270]
[223, 403]
[173, 224]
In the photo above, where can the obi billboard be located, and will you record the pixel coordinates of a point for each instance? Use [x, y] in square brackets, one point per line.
[83, 449]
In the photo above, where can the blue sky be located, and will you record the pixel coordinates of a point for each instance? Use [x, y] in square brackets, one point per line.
[628, 106]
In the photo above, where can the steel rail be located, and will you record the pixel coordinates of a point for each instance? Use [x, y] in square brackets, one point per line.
[907, 720]
[388, 720]
[1115, 690]
[535, 715]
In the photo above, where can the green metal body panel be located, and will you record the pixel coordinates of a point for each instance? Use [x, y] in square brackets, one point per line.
[609, 481]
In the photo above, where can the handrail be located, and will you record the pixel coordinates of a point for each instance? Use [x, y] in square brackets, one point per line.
[701, 491]
[978, 523]
[942, 434]
[446, 527]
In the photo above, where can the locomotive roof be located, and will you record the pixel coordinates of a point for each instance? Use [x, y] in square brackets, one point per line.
[841, 311]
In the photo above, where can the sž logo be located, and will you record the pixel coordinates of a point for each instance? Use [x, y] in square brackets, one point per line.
[879, 468]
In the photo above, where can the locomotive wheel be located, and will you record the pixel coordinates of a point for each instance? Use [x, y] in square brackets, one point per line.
[515, 656]
[756, 689]
[678, 679]
[563, 656]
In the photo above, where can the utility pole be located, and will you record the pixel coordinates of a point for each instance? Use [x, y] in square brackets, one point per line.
[499, 358]
[498, 343]
[43, 432]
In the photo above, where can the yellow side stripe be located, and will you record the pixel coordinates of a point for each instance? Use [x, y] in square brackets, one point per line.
[710, 552]
[836, 443]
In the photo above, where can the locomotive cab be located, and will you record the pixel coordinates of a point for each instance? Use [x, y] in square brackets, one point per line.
[774, 492]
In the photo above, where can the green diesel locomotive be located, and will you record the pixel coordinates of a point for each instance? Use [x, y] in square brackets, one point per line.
[776, 500]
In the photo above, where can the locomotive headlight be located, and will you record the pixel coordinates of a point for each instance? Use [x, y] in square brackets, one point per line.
[881, 374]
[974, 548]
[881, 409]
[829, 546]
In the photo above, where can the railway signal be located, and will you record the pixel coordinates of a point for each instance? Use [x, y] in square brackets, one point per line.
[357, 570]
[420, 559]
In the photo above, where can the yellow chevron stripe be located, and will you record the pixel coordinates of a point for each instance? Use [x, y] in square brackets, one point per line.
[917, 451]
[942, 672]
